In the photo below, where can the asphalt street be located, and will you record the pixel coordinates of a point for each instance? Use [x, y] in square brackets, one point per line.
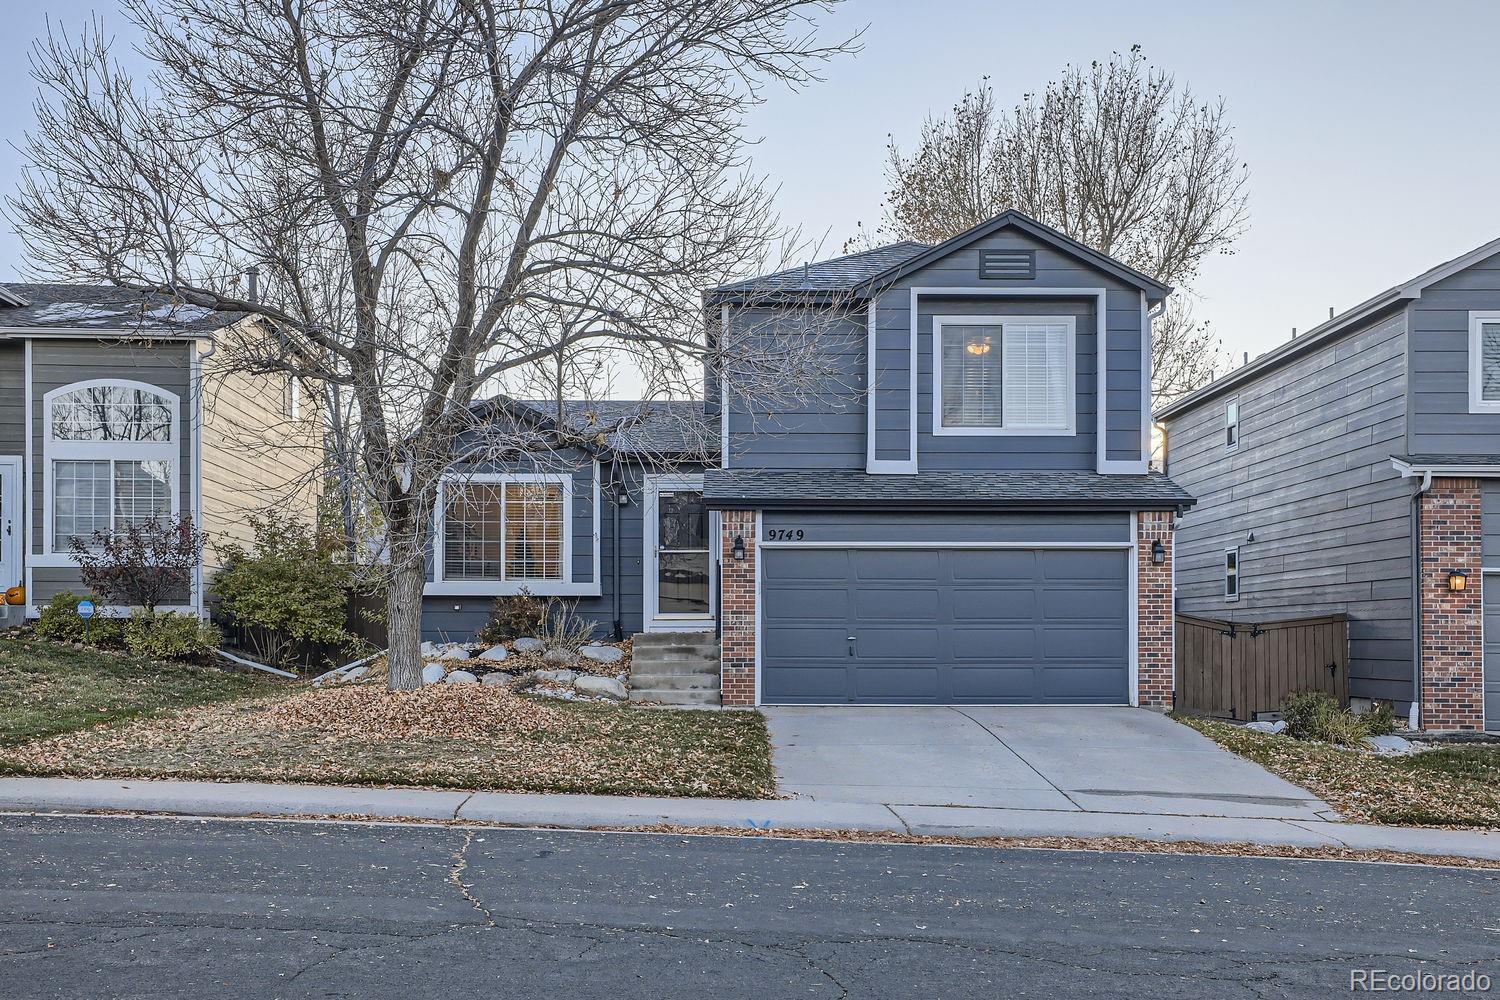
[96, 907]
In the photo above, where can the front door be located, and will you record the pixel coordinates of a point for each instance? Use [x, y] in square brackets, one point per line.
[680, 571]
[11, 523]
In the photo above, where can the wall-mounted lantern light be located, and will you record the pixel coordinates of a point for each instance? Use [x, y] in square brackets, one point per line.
[1457, 580]
[739, 547]
[621, 495]
[1158, 552]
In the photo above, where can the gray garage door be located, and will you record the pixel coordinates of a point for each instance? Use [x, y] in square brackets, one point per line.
[944, 626]
[1492, 652]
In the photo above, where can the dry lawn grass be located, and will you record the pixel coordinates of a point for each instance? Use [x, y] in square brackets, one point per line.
[1456, 786]
[456, 736]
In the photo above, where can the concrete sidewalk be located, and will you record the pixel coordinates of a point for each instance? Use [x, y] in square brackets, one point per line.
[198, 798]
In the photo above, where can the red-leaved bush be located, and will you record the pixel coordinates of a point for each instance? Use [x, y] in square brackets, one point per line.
[143, 564]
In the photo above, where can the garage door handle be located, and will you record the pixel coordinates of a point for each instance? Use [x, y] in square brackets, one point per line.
[851, 645]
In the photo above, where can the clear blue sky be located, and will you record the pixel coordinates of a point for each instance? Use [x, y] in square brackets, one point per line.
[1372, 129]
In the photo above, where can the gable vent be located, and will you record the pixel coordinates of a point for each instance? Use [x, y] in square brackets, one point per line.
[1012, 264]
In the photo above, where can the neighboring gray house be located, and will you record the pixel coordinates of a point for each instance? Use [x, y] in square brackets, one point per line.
[1356, 469]
[964, 515]
[113, 410]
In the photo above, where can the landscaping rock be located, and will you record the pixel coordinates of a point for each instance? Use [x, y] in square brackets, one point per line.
[559, 657]
[429, 649]
[354, 674]
[603, 654]
[606, 686]
[1390, 745]
[496, 653]
[497, 677]
[1279, 726]
[433, 672]
[460, 677]
[528, 645]
[557, 676]
[453, 651]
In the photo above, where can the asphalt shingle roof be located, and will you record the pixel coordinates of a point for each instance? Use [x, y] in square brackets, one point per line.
[828, 487]
[665, 427]
[105, 307]
[836, 275]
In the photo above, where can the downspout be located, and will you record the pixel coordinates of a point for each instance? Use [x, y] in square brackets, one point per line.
[618, 497]
[200, 598]
[1414, 715]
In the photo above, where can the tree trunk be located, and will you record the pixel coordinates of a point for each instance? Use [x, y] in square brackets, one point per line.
[403, 611]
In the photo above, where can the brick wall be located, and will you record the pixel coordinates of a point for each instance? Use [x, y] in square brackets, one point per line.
[1154, 621]
[1452, 622]
[737, 610]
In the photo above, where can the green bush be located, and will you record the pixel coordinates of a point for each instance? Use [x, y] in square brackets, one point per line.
[1313, 715]
[513, 616]
[291, 583]
[59, 622]
[168, 635]
[1380, 720]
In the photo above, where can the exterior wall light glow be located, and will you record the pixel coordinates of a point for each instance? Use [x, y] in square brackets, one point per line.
[1158, 552]
[739, 548]
[1458, 580]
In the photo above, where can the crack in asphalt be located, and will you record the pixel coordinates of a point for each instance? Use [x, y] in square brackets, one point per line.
[455, 876]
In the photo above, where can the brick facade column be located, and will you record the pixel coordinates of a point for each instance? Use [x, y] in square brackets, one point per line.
[1156, 650]
[737, 609]
[1452, 694]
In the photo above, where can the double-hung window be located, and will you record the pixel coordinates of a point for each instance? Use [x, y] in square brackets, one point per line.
[1232, 574]
[111, 450]
[1232, 424]
[1004, 375]
[1484, 362]
[505, 529]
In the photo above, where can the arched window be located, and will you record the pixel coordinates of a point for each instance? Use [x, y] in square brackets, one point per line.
[111, 451]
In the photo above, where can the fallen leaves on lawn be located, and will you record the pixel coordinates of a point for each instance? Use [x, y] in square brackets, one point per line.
[439, 711]
[452, 736]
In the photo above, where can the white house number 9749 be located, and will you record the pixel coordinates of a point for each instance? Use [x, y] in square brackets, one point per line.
[784, 534]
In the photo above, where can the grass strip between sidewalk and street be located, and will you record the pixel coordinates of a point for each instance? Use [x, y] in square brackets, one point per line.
[1452, 786]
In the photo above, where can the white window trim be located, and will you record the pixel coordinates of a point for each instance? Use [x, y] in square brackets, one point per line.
[1233, 401]
[566, 587]
[1068, 429]
[130, 451]
[653, 620]
[1477, 402]
[1239, 575]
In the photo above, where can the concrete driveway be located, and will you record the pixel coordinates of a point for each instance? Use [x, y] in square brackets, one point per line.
[1105, 759]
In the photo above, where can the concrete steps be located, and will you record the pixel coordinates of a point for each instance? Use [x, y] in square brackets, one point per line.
[675, 668]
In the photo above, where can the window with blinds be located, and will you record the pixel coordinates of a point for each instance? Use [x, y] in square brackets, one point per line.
[510, 530]
[1012, 375]
[1489, 362]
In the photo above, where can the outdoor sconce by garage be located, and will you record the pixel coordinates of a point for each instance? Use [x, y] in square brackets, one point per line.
[739, 548]
[1158, 552]
[1457, 580]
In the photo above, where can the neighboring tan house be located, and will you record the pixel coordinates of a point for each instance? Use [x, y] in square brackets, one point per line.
[113, 408]
[965, 516]
[1356, 469]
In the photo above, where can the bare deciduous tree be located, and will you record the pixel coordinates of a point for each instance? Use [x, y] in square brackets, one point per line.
[1115, 155]
[440, 196]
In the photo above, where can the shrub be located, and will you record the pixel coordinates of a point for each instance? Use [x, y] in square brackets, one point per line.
[143, 564]
[513, 616]
[1380, 720]
[290, 584]
[562, 628]
[1313, 715]
[169, 635]
[59, 622]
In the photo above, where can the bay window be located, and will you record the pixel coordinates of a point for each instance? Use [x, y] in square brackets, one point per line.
[110, 448]
[1003, 375]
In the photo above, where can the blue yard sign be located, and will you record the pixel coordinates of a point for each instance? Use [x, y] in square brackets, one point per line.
[85, 610]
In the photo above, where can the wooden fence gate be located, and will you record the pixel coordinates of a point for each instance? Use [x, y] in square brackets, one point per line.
[1231, 670]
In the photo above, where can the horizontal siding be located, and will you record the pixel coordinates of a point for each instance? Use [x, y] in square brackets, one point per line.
[12, 398]
[1311, 483]
[1440, 421]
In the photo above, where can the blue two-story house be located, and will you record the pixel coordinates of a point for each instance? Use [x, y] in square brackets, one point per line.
[963, 515]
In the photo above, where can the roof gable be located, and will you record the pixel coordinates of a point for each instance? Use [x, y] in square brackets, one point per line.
[1045, 234]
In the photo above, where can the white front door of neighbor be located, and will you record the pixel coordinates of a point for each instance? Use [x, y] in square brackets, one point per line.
[679, 564]
[11, 522]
